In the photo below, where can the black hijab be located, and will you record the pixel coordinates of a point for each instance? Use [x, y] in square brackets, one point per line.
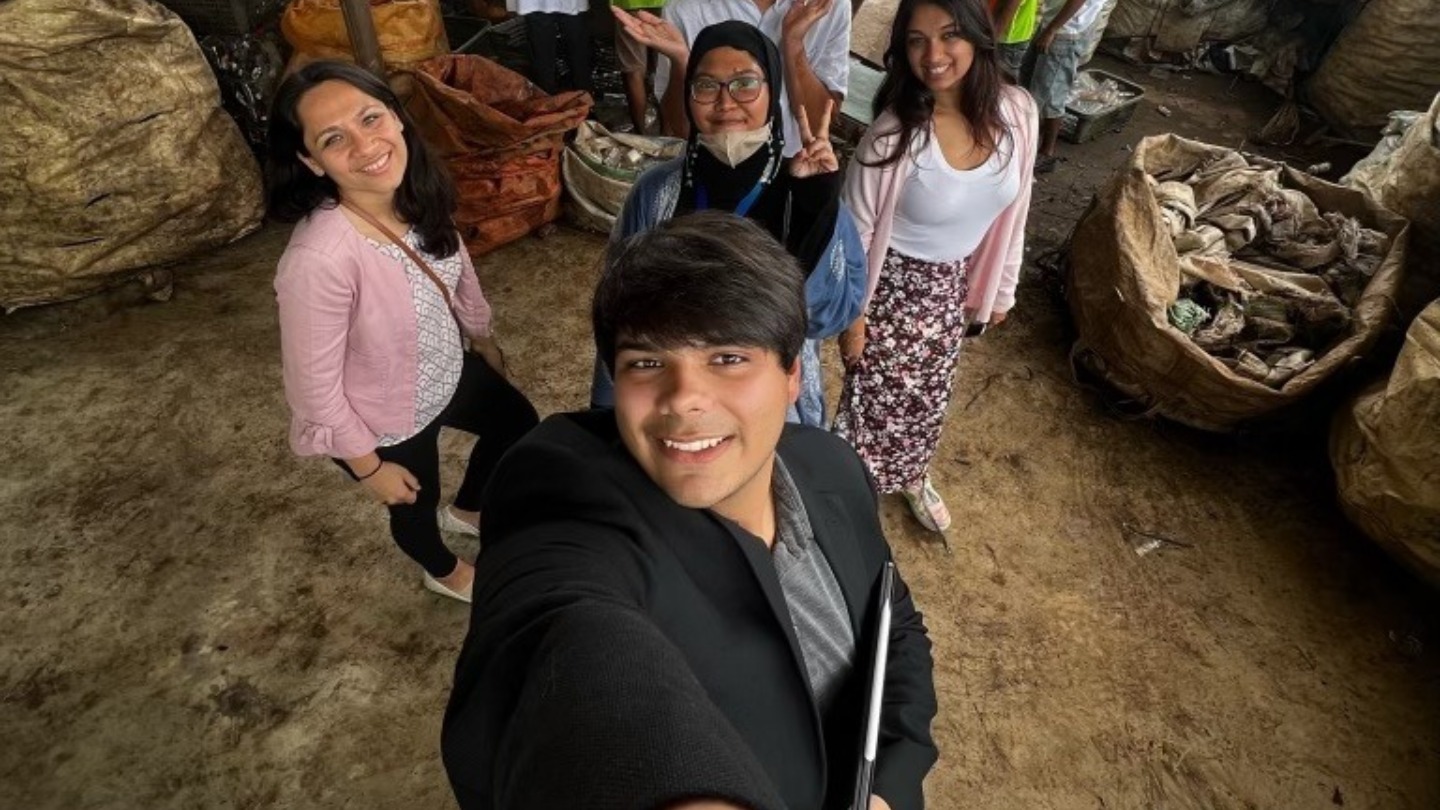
[810, 207]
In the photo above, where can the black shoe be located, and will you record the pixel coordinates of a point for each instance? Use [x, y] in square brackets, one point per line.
[1044, 164]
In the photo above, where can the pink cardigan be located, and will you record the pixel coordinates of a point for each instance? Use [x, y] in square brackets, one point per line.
[872, 193]
[348, 336]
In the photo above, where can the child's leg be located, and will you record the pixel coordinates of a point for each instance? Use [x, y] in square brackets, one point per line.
[1050, 84]
[541, 31]
[631, 55]
[576, 32]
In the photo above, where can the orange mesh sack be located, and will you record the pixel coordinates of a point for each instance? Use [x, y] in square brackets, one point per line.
[409, 31]
[501, 138]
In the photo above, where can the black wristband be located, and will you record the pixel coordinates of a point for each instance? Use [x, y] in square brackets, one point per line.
[372, 472]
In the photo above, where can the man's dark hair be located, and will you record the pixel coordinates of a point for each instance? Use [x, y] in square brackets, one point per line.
[705, 279]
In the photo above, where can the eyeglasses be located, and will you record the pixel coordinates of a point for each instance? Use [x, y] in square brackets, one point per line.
[743, 89]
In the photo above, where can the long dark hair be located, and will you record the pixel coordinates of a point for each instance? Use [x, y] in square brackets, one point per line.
[426, 197]
[980, 90]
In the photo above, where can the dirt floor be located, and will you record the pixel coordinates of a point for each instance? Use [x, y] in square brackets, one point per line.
[196, 618]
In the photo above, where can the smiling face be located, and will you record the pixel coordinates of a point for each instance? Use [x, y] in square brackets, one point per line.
[703, 422]
[725, 114]
[939, 56]
[352, 138]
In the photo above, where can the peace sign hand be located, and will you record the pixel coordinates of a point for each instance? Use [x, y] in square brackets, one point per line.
[654, 32]
[817, 156]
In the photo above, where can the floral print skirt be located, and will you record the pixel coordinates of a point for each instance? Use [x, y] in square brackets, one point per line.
[893, 403]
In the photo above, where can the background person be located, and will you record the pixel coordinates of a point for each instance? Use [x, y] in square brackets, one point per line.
[1058, 49]
[634, 59]
[677, 598]
[373, 345]
[940, 187]
[733, 163]
[548, 22]
[1015, 25]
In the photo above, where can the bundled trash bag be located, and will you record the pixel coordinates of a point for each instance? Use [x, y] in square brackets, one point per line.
[600, 166]
[1385, 59]
[117, 155]
[1407, 181]
[1215, 291]
[409, 31]
[1385, 449]
[500, 136]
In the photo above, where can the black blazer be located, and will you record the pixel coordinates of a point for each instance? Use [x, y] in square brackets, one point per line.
[627, 652]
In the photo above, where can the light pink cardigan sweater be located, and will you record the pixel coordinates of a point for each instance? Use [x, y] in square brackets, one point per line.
[348, 336]
[872, 193]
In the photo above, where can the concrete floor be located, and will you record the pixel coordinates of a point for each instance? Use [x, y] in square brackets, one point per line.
[195, 618]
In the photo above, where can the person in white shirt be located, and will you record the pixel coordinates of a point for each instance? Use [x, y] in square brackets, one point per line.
[813, 37]
[547, 21]
[1058, 50]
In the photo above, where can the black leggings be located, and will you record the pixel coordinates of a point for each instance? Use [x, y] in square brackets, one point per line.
[485, 404]
[541, 30]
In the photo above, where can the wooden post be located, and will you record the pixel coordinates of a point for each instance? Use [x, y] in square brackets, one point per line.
[363, 41]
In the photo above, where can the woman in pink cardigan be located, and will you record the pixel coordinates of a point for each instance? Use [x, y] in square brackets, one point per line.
[378, 299]
[940, 188]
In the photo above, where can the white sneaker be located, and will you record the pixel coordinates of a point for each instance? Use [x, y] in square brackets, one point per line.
[449, 523]
[436, 586]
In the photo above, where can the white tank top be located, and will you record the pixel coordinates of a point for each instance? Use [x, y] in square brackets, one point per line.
[944, 212]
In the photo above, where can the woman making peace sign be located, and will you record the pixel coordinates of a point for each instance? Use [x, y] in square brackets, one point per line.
[733, 162]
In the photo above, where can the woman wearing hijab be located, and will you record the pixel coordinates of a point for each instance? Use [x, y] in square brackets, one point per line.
[734, 162]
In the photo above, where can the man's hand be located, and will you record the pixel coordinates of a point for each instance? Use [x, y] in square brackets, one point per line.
[801, 17]
[1044, 40]
[817, 156]
[655, 32]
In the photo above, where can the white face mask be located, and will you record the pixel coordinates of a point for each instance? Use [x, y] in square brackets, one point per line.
[733, 148]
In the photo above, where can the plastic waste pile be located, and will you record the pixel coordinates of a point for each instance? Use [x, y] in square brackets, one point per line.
[1268, 281]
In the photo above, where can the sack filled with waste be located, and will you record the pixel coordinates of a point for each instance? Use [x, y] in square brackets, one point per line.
[600, 166]
[408, 31]
[1385, 448]
[117, 155]
[1403, 175]
[1216, 288]
[501, 138]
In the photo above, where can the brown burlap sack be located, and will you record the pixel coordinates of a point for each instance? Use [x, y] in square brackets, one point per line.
[1386, 452]
[501, 137]
[1387, 58]
[1183, 26]
[409, 31]
[116, 154]
[1124, 273]
[1409, 184]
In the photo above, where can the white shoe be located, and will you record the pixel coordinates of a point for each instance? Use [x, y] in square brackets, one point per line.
[449, 523]
[436, 586]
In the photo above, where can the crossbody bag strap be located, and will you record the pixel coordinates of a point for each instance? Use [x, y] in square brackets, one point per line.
[400, 243]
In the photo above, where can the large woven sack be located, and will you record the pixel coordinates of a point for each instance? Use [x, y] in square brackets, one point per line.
[1408, 183]
[1387, 58]
[1124, 273]
[1178, 25]
[1386, 452]
[409, 31]
[501, 138]
[116, 154]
